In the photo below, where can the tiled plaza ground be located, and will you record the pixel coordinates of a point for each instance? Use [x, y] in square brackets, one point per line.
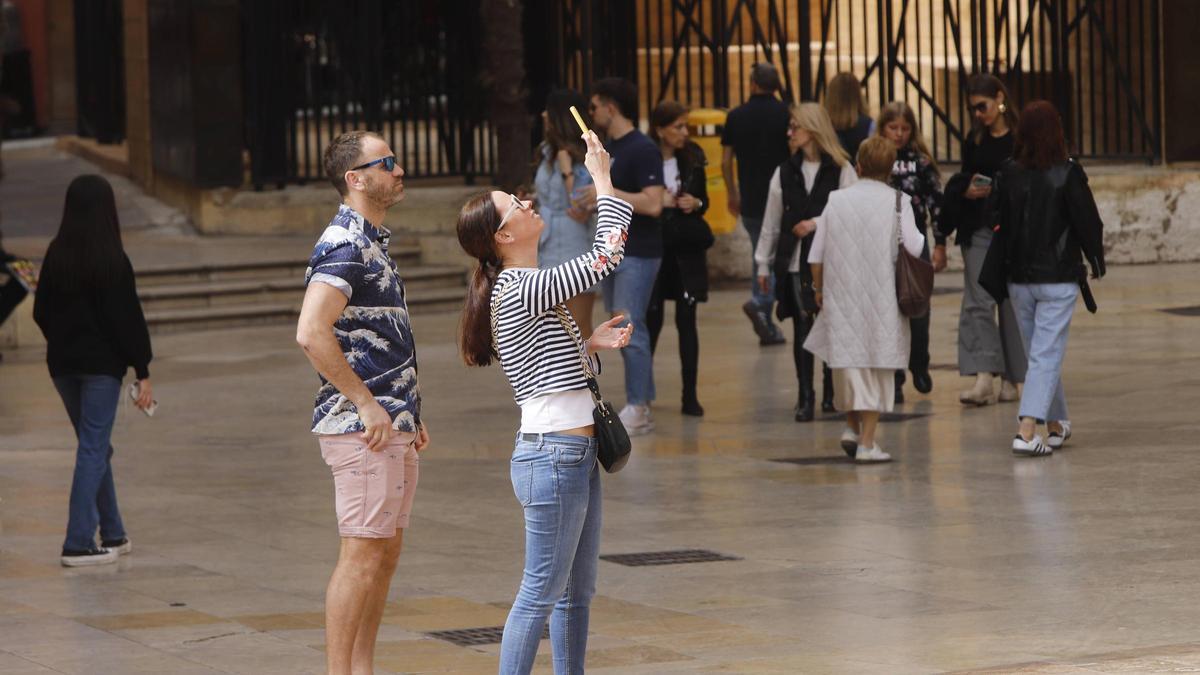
[957, 557]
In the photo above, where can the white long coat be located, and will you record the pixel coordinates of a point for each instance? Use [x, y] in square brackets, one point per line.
[860, 324]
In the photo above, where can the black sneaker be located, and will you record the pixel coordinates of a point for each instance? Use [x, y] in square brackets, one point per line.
[774, 337]
[922, 381]
[121, 546]
[94, 556]
[758, 320]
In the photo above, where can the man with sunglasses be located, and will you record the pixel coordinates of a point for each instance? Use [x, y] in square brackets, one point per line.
[354, 329]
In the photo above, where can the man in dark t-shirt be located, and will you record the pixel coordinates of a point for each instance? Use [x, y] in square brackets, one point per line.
[756, 134]
[637, 178]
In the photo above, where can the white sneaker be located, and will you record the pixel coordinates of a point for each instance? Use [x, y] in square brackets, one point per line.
[121, 547]
[637, 419]
[872, 455]
[849, 442]
[1009, 392]
[1056, 439]
[1031, 448]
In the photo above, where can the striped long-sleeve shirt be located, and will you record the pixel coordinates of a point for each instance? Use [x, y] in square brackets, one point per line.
[537, 355]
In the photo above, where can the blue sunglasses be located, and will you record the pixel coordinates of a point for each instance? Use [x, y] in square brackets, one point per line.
[389, 164]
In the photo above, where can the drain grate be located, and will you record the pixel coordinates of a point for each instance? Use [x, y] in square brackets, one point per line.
[815, 461]
[885, 417]
[666, 558]
[473, 637]
[1183, 311]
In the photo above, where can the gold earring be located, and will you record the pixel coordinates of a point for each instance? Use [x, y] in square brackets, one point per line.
[1003, 108]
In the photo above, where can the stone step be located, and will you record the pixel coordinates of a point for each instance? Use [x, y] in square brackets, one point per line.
[284, 289]
[421, 301]
[406, 257]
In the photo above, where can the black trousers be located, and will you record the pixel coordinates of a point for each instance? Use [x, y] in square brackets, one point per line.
[689, 337]
[918, 353]
[802, 323]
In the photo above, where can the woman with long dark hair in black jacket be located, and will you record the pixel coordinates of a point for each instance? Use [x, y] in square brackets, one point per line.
[88, 309]
[1048, 226]
[683, 275]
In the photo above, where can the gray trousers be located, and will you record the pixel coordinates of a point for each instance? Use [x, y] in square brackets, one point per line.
[982, 348]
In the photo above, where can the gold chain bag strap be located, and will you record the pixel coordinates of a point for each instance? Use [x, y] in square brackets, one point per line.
[612, 440]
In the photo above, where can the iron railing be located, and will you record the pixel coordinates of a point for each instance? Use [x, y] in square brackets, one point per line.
[1097, 60]
[316, 68]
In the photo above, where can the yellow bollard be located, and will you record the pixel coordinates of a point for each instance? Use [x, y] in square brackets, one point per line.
[705, 127]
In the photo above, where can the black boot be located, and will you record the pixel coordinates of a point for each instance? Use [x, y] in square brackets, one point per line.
[806, 408]
[827, 391]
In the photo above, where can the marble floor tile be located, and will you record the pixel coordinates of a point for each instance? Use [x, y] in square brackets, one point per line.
[957, 557]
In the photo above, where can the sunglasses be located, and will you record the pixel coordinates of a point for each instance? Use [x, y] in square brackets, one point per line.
[981, 107]
[516, 205]
[389, 164]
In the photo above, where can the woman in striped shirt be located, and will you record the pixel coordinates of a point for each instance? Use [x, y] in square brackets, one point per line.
[516, 313]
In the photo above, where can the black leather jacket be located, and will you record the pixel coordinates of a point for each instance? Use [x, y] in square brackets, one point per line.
[1048, 224]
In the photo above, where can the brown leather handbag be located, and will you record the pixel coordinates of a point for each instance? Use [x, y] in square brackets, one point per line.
[914, 276]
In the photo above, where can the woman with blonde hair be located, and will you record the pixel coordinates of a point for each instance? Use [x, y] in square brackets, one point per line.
[860, 332]
[916, 174]
[796, 195]
[848, 111]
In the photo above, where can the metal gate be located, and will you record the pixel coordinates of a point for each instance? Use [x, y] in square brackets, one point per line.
[1097, 60]
[316, 68]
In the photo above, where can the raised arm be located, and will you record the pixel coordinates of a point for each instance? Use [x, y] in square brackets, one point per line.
[546, 288]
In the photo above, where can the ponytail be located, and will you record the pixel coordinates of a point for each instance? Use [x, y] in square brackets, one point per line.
[477, 222]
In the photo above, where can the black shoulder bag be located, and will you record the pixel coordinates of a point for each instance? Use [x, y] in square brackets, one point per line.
[612, 441]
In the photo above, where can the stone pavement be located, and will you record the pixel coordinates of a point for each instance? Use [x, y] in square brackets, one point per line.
[956, 557]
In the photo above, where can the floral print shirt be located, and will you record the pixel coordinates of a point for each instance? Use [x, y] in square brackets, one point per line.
[916, 176]
[373, 331]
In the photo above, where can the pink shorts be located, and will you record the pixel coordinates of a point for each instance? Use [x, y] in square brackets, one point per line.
[373, 490]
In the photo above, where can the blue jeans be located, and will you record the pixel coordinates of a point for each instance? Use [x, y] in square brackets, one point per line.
[627, 291]
[1044, 318]
[557, 481]
[91, 402]
[765, 301]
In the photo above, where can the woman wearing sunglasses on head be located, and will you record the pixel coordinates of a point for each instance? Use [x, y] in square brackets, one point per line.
[984, 350]
[515, 312]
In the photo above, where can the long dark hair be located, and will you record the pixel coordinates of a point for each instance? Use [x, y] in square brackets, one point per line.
[690, 155]
[562, 133]
[87, 252]
[986, 84]
[1040, 143]
[477, 222]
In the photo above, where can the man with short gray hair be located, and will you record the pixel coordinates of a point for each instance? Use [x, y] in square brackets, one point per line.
[354, 329]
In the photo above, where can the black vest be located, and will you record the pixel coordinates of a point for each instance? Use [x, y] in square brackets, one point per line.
[799, 204]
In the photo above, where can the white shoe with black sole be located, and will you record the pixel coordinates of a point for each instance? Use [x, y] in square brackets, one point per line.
[1031, 448]
[849, 442]
[1056, 439]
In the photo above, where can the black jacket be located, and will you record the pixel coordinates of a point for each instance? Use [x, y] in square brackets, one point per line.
[800, 204]
[686, 236]
[96, 332]
[1048, 226]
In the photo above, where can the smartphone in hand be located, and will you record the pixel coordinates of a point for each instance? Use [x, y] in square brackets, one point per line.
[981, 181]
[134, 392]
